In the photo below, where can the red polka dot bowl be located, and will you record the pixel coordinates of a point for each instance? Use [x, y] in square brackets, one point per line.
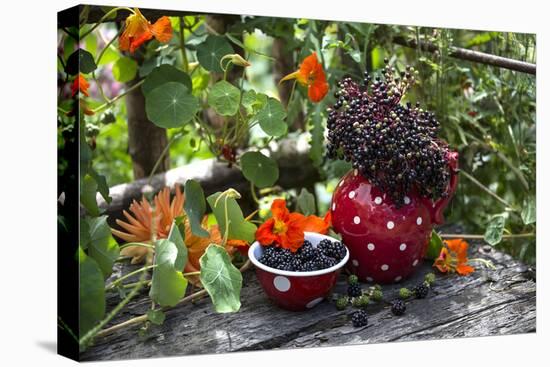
[296, 290]
[385, 243]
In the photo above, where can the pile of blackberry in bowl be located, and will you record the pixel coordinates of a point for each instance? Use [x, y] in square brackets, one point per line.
[394, 145]
[326, 254]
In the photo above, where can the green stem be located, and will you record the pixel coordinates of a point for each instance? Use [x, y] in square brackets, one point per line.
[126, 276]
[253, 192]
[100, 56]
[487, 190]
[107, 15]
[85, 340]
[184, 60]
[129, 244]
[162, 154]
[105, 105]
[191, 273]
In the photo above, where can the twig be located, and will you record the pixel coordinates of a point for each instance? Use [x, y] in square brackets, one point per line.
[486, 189]
[480, 236]
[470, 55]
[143, 318]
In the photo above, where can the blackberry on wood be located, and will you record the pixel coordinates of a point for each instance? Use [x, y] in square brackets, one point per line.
[354, 290]
[421, 290]
[359, 318]
[398, 307]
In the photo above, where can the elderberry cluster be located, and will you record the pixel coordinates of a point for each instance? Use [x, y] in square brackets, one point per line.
[394, 146]
[308, 257]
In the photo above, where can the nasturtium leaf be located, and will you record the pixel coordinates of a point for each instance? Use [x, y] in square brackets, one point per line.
[102, 186]
[176, 237]
[80, 61]
[195, 207]
[305, 202]
[495, 228]
[262, 171]
[170, 105]
[168, 284]
[224, 98]
[101, 246]
[529, 211]
[253, 101]
[239, 228]
[91, 292]
[271, 118]
[163, 74]
[85, 237]
[221, 279]
[434, 246]
[211, 51]
[125, 69]
[157, 317]
[88, 190]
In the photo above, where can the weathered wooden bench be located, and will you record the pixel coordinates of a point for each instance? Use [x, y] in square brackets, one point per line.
[488, 302]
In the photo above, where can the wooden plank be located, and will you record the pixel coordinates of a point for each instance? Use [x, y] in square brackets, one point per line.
[489, 302]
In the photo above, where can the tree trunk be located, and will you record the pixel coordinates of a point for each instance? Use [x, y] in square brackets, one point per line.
[284, 65]
[146, 141]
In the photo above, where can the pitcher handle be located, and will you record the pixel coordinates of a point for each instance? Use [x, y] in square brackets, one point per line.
[440, 205]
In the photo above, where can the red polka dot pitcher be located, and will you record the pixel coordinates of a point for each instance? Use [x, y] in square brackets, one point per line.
[386, 244]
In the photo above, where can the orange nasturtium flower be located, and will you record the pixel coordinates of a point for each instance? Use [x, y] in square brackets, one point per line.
[139, 30]
[312, 75]
[285, 229]
[454, 258]
[140, 223]
[80, 84]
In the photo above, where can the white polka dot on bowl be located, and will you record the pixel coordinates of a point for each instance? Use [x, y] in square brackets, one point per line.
[403, 246]
[419, 220]
[351, 194]
[370, 246]
[385, 267]
[398, 278]
[378, 200]
[355, 262]
[281, 283]
[415, 262]
[356, 220]
[407, 200]
[390, 225]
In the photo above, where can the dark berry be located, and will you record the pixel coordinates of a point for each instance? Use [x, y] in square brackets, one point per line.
[398, 307]
[334, 249]
[421, 290]
[354, 290]
[359, 318]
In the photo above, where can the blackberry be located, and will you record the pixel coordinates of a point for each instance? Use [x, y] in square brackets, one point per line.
[306, 252]
[359, 318]
[398, 307]
[307, 266]
[333, 249]
[354, 290]
[342, 303]
[324, 262]
[278, 258]
[421, 290]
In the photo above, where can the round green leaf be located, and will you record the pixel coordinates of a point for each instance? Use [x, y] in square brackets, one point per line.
[262, 171]
[211, 51]
[163, 74]
[92, 292]
[271, 118]
[224, 98]
[125, 69]
[221, 279]
[168, 284]
[80, 61]
[170, 105]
